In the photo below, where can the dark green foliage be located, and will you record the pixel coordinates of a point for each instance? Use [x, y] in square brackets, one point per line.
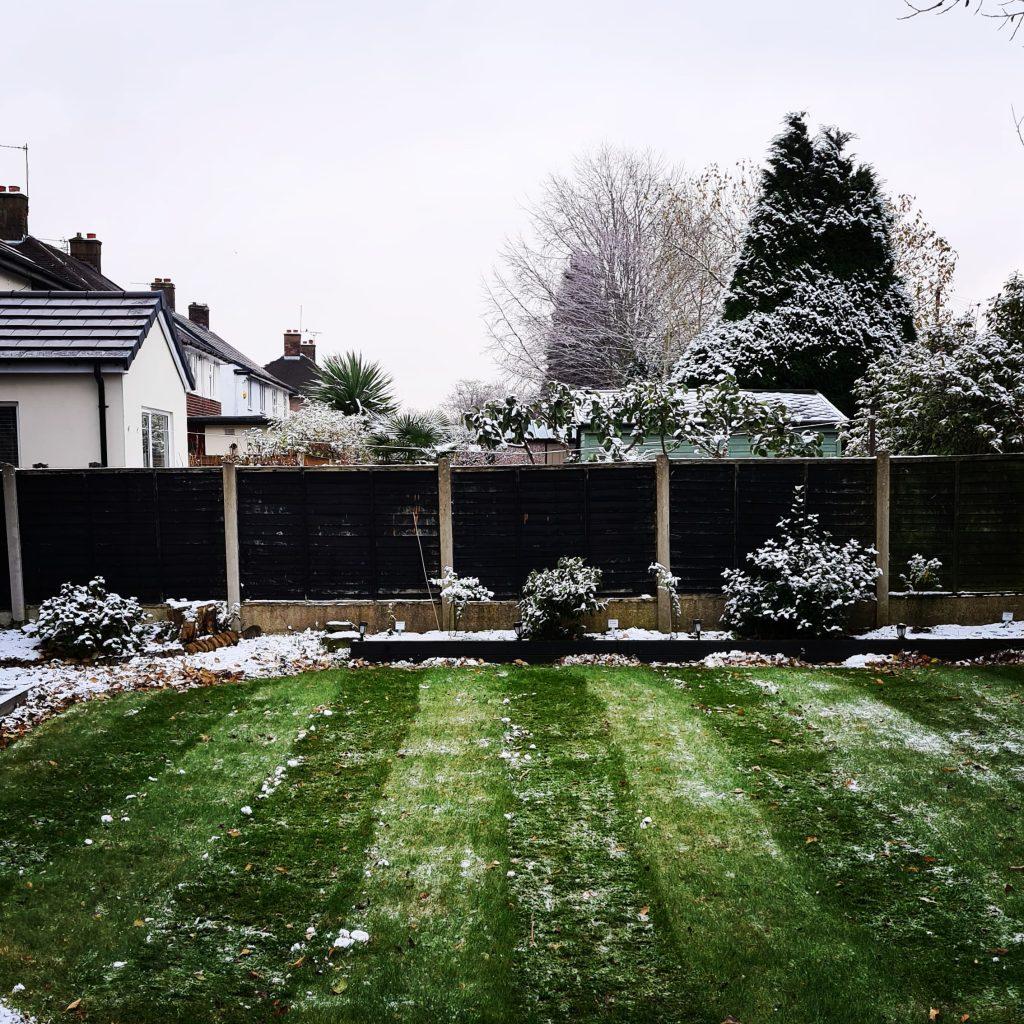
[354, 385]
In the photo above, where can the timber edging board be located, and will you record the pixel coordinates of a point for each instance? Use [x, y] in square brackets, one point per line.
[546, 651]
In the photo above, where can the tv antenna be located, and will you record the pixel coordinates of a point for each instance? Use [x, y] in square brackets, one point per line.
[24, 149]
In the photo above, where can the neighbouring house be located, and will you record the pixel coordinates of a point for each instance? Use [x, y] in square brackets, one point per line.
[808, 410]
[297, 367]
[91, 378]
[232, 393]
[228, 393]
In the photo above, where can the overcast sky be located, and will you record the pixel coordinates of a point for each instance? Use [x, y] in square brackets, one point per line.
[366, 161]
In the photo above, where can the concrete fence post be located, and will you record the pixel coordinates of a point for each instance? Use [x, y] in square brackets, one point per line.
[882, 516]
[231, 564]
[14, 543]
[663, 540]
[446, 539]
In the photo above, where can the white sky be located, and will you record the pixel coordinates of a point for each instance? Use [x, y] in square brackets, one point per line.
[366, 161]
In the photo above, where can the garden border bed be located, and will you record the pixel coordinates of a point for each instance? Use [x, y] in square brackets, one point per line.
[545, 651]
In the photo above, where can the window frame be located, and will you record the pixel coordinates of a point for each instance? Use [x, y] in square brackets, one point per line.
[147, 437]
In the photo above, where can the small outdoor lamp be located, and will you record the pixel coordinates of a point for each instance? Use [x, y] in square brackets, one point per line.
[518, 627]
[400, 626]
[901, 631]
[362, 630]
[696, 629]
[1007, 618]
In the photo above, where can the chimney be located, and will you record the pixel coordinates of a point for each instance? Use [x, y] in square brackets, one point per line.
[13, 213]
[87, 249]
[308, 349]
[199, 313]
[292, 343]
[165, 285]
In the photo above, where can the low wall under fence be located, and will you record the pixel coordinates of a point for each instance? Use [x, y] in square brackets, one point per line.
[296, 546]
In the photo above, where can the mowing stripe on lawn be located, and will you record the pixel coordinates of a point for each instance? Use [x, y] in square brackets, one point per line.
[747, 920]
[434, 898]
[234, 933]
[901, 827]
[84, 902]
[137, 735]
[594, 945]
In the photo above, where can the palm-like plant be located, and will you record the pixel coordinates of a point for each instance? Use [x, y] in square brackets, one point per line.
[354, 385]
[407, 437]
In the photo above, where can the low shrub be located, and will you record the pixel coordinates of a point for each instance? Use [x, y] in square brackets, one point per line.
[89, 621]
[555, 600]
[921, 574]
[799, 584]
[458, 591]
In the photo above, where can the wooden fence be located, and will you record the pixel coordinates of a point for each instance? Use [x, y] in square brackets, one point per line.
[377, 533]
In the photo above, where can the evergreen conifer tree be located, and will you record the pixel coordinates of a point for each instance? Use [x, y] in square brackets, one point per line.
[815, 294]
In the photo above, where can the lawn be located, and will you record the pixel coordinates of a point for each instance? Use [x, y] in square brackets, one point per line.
[524, 844]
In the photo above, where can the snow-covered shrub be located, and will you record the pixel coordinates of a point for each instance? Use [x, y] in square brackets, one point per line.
[801, 583]
[316, 430]
[922, 573]
[555, 600]
[89, 621]
[670, 584]
[458, 591]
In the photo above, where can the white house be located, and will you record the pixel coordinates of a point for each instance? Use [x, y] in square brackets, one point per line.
[228, 393]
[91, 378]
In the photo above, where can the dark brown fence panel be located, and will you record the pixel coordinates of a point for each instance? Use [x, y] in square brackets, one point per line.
[507, 522]
[842, 493]
[486, 526]
[621, 527]
[702, 504]
[922, 515]
[990, 525]
[552, 506]
[339, 521]
[764, 496]
[5, 576]
[191, 510]
[75, 525]
[272, 534]
[405, 531]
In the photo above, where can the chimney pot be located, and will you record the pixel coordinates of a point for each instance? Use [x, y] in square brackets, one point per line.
[165, 285]
[292, 343]
[199, 313]
[308, 349]
[13, 214]
[87, 250]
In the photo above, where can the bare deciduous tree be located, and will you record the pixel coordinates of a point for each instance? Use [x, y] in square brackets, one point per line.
[1008, 13]
[927, 264]
[625, 262]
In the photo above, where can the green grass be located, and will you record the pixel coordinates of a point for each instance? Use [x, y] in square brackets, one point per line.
[528, 844]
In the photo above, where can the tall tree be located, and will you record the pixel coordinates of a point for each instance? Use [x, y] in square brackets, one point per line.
[624, 261]
[815, 294]
[354, 385]
[1005, 312]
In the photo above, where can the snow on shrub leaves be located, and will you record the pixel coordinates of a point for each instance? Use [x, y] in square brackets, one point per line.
[555, 600]
[460, 590]
[799, 584]
[89, 621]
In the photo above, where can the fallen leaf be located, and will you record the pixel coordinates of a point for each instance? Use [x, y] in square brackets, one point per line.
[339, 986]
[73, 1005]
[139, 923]
[934, 1014]
[810, 839]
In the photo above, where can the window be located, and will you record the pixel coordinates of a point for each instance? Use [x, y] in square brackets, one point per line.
[9, 434]
[211, 379]
[156, 437]
[248, 392]
[274, 399]
[263, 398]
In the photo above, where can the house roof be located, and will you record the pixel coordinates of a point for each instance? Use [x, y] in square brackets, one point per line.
[50, 266]
[66, 329]
[298, 372]
[212, 344]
